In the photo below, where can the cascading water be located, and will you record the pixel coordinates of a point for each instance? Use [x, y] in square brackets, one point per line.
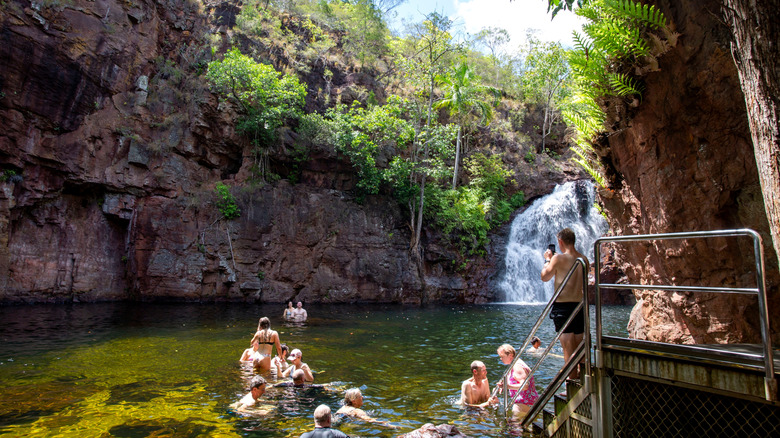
[569, 205]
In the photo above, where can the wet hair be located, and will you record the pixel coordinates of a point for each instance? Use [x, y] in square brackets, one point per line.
[257, 381]
[284, 347]
[476, 365]
[567, 236]
[508, 349]
[535, 340]
[322, 414]
[264, 323]
[351, 395]
[298, 377]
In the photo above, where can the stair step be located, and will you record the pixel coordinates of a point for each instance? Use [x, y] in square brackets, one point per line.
[572, 387]
[560, 403]
[547, 417]
[537, 429]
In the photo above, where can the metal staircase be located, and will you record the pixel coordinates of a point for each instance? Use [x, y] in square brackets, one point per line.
[633, 388]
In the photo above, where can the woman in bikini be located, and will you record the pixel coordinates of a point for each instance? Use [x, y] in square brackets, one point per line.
[520, 372]
[267, 339]
[288, 312]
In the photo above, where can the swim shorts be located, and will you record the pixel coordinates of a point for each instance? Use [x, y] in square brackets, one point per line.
[560, 313]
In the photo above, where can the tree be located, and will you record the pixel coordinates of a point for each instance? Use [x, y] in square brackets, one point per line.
[494, 38]
[547, 71]
[265, 98]
[756, 32]
[431, 45]
[462, 95]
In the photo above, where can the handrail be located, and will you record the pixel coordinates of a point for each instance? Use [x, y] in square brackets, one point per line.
[770, 383]
[575, 358]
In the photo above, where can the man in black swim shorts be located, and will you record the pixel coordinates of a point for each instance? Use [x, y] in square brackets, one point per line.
[558, 265]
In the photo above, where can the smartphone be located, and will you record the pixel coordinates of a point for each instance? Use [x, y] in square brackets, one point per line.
[551, 247]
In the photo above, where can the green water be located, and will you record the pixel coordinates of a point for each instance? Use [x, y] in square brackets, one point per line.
[137, 370]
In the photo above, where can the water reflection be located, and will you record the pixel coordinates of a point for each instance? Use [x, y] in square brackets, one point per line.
[140, 369]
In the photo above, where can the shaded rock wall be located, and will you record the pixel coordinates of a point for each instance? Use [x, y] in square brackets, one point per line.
[117, 144]
[685, 163]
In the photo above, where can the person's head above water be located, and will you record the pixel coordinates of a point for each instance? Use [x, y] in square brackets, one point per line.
[295, 354]
[536, 342]
[353, 397]
[297, 377]
[300, 304]
[322, 416]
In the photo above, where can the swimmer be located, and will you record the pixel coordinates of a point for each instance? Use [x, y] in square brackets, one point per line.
[267, 339]
[353, 400]
[250, 354]
[298, 381]
[475, 391]
[297, 364]
[322, 424]
[299, 313]
[535, 347]
[288, 312]
[256, 389]
[279, 363]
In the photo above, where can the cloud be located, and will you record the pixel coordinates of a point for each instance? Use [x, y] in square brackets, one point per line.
[516, 17]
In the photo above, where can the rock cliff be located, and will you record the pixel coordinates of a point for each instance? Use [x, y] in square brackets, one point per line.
[110, 147]
[683, 161]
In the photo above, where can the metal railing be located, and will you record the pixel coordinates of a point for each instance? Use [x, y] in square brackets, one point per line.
[573, 361]
[770, 382]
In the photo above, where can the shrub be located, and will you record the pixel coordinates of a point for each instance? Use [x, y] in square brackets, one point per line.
[227, 202]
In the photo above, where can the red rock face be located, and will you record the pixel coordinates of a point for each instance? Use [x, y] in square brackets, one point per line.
[686, 163]
[118, 151]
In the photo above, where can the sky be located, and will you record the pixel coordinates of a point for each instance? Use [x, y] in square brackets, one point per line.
[515, 16]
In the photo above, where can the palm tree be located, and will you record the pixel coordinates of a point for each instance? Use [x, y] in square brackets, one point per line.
[463, 95]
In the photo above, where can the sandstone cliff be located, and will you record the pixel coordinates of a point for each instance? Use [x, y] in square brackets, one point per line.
[115, 143]
[683, 161]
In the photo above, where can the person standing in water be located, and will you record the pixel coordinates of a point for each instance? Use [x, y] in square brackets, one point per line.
[558, 265]
[267, 339]
[299, 313]
[288, 312]
[475, 391]
[297, 364]
[250, 354]
[518, 379]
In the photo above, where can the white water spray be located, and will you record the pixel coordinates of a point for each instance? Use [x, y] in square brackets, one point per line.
[569, 205]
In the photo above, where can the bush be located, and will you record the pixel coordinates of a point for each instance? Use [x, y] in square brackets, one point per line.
[227, 202]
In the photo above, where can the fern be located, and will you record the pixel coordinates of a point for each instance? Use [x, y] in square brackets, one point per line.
[646, 14]
[624, 85]
[616, 39]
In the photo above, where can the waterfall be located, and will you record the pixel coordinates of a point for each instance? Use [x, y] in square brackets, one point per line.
[569, 205]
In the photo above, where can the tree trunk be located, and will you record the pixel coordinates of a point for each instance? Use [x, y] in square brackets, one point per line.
[544, 126]
[457, 160]
[756, 49]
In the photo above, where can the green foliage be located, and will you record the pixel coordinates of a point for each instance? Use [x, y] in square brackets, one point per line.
[604, 63]
[359, 133]
[226, 202]
[7, 175]
[266, 98]
[466, 214]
